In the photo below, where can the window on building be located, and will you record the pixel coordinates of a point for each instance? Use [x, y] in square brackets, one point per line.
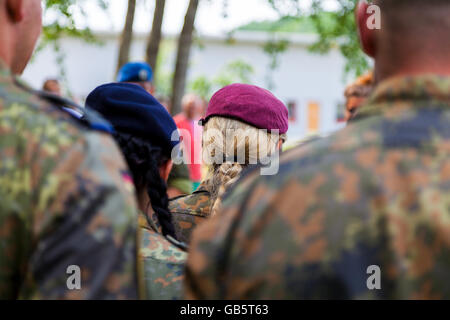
[292, 106]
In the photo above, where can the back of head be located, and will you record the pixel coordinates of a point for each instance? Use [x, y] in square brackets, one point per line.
[132, 110]
[146, 134]
[232, 139]
[228, 147]
[412, 37]
[52, 86]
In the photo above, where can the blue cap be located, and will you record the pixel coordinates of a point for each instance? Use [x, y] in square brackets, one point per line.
[132, 110]
[135, 72]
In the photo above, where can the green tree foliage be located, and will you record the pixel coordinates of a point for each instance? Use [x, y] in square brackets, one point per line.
[237, 71]
[201, 86]
[336, 27]
[274, 49]
[59, 21]
[164, 71]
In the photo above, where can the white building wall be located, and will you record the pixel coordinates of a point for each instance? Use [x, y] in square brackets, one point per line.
[302, 77]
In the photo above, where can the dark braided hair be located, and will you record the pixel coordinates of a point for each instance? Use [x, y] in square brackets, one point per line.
[144, 161]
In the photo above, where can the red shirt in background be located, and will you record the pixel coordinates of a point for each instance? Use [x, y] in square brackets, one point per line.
[191, 133]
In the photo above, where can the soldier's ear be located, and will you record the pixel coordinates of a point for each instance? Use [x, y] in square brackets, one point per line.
[366, 35]
[16, 10]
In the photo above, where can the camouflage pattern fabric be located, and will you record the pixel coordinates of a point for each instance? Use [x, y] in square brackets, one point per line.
[162, 264]
[63, 203]
[376, 194]
[189, 211]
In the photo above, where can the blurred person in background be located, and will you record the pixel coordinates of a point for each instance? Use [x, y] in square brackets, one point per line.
[144, 131]
[139, 73]
[191, 134]
[52, 86]
[357, 93]
[239, 121]
[179, 182]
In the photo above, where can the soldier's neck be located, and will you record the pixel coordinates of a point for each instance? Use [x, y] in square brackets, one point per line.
[391, 65]
[143, 201]
[6, 52]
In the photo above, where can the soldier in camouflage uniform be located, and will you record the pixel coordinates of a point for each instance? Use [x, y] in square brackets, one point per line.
[226, 120]
[63, 201]
[143, 131]
[190, 211]
[364, 213]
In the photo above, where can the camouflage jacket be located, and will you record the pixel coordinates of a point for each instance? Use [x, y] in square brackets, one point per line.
[161, 263]
[65, 213]
[362, 214]
[189, 211]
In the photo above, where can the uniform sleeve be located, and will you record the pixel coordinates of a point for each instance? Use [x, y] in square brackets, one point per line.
[85, 227]
[189, 212]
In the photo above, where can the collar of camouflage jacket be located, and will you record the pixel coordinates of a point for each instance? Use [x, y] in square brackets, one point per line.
[150, 221]
[7, 77]
[408, 92]
[4, 70]
[202, 187]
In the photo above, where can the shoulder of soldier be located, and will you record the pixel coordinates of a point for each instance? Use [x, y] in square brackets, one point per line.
[332, 161]
[317, 155]
[318, 160]
[38, 122]
[188, 212]
[56, 162]
[155, 246]
[196, 204]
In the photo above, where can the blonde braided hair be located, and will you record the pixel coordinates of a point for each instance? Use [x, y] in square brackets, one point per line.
[228, 147]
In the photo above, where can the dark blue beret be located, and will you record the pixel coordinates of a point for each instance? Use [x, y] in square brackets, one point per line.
[130, 109]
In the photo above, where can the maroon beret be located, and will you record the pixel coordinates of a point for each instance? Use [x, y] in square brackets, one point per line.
[250, 104]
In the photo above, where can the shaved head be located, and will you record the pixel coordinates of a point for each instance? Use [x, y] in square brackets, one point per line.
[413, 39]
[410, 16]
